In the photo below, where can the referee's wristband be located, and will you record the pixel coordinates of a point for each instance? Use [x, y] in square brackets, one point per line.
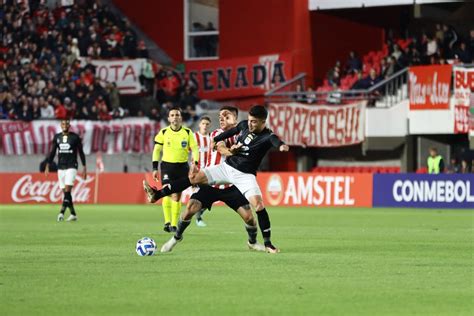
[155, 165]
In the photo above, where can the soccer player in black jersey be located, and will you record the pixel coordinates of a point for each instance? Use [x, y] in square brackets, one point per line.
[239, 169]
[67, 144]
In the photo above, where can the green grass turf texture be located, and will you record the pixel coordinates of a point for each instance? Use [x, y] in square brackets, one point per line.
[333, 262]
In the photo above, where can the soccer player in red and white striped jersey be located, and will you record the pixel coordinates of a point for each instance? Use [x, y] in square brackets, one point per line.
[204, 144]
[203, 140]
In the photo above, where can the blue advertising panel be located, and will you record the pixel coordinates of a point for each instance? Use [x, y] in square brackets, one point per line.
[424, 190]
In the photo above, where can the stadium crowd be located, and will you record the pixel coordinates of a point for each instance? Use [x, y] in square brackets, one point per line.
[42, 74]
[442, 46]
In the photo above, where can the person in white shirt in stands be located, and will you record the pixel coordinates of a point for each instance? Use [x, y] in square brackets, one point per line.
[46, 110]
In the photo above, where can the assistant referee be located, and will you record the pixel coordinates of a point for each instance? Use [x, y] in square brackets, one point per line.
[175, 141]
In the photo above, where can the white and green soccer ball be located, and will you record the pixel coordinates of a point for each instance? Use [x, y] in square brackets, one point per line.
[146, 247]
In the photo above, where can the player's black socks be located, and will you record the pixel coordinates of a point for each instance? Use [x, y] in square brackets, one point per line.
[199, 215]
[252, 231]
[182, 225]
[264, 223]
[70, 204]
[173, 187]
[65, 204]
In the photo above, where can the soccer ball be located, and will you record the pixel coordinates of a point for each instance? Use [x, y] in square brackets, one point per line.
[146, 247]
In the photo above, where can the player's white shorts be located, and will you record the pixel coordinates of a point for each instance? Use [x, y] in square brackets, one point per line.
[223, 173]
[66, 177]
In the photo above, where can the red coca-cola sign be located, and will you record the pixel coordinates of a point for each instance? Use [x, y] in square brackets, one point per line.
[26, 189]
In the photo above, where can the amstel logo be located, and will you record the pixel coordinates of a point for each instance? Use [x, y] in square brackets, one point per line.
[274, 189]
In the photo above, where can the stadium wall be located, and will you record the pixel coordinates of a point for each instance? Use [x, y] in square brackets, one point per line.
[279, 189]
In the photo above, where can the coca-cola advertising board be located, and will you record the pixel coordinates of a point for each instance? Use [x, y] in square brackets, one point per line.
[318, 125]
[131, 135]
[429, 87]
[107, 188]
[463, 100]
[285, 189]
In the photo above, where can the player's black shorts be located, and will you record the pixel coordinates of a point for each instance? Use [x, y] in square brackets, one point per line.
[231, 196]
[173, 171]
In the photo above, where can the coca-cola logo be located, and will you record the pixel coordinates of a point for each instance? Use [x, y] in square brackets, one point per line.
[26, 190]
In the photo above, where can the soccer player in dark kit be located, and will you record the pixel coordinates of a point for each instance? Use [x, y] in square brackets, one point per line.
[239, 169]
[67, 144]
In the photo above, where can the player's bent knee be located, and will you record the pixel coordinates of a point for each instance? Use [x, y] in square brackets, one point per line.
[193, 206]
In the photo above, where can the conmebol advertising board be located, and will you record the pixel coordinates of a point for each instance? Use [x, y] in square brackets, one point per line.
[424, 190]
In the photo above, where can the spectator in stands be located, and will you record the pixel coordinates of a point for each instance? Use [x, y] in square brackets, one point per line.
[147, 76]
[463, 54]
[114, 95]
[334, 74]
[155, 114]
[211, 41]
[46, 109]
[299, 96]
[431, 47]
[360, 83]
[470, 44]
[465, 166]
[389, 68]
[435, 162]
[25, 114]
[353, 63]
[454, 166]
[170, 86]
[450, 37]
[439, 34]
[413, 57]
[60, 111]
[397, 52]
[335, 96]
[310, 96]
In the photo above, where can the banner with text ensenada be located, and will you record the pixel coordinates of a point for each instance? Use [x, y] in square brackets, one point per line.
[424, 190]
[124, 72]
[309, 189]
[239, 77]
[317, 125]
[429, 87]
[132, 135]
[463, 99]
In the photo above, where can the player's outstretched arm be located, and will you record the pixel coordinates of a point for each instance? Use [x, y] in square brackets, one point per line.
[223, 149]
[231, 132]
[278, 143]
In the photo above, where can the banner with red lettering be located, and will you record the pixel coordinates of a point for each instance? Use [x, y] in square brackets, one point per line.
[463, 100]
[317, 125]
[239, 77]
[117, 136]
[429, 87]
[285, 189]
[124, 72]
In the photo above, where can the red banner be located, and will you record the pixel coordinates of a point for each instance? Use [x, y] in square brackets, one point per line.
[286, 189]
[429, 87]
[318, 126]
[463, 100]
[127, 135]
[240, 77]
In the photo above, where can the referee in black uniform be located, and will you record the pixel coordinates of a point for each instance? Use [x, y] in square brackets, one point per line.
[67, 144]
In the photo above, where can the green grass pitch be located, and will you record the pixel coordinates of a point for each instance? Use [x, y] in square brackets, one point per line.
[333, 262]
